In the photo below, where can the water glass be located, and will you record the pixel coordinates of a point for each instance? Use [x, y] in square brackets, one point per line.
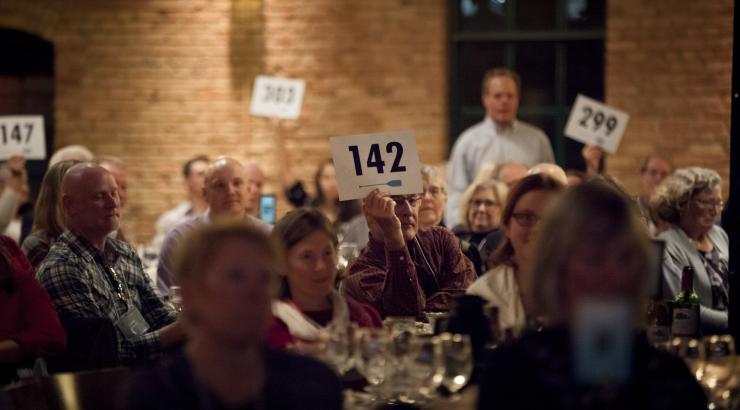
[372, 347]
[719, 368]
[457, 356]
[692, 352]
[176, 298]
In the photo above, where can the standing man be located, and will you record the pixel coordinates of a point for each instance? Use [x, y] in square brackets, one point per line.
[500, 137]
[90, 275]
[225, 191]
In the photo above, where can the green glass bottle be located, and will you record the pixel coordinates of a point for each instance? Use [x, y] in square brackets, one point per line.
[686, 307]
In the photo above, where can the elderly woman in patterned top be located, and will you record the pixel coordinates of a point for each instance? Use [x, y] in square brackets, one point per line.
[691, 200]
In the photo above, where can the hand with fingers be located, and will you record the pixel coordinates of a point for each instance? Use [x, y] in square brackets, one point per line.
[380, 212]
[592, 154]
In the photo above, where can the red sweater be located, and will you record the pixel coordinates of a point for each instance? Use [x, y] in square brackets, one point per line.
[27, 315]
[364, 315]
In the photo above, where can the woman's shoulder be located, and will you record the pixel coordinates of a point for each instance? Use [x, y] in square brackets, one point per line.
[495, 280]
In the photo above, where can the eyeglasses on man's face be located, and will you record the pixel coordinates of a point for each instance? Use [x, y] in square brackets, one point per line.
[412, 200]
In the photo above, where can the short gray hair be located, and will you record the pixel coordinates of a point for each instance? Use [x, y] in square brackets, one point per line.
[679, 188]
[431, 172]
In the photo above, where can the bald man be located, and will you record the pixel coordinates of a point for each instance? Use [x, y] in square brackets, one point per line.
[552, 170]
[90, 275]
[225, 191]
[255, 182]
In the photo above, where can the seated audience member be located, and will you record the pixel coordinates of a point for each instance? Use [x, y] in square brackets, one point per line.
[255, 182]
[308, 301]
[48, 218]
[13, 189]
[592, 251]
[690, 200]
[434, 197]
[510, 172]
[327, 196]
[194, 174]
[653, 171]
[225, 191]
[71, 152]
[506, 284]
[404, 270]
[431, 210]
[228, 271]
[117, 170]
[29, 326]
[480, 212]
[12, 172]
[552, 170]
[90, 275]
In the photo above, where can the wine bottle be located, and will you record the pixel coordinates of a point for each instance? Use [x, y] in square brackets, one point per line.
[686, 307]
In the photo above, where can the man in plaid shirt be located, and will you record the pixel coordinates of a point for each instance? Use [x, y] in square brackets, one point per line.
[90, 275]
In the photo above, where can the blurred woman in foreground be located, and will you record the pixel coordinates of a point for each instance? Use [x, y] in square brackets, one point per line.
[589, 281]
[227, 273]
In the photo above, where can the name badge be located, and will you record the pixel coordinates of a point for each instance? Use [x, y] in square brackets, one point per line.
[132, 324]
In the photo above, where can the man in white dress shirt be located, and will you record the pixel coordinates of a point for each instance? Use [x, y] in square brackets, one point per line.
[500, 137]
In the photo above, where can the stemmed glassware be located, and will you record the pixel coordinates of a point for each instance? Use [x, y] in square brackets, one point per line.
[457, 355]
[719, 369]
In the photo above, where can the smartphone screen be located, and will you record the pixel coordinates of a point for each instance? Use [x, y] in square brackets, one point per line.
[267, 208]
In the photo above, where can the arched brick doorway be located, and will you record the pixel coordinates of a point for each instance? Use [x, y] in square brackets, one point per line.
[27, 86]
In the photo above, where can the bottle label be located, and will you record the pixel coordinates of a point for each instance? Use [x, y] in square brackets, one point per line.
[685, 321]
[659, 333]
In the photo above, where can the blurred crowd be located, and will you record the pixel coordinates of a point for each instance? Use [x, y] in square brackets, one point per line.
[210, 308]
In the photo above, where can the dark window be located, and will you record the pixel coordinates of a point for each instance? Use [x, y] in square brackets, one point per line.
[556, 46]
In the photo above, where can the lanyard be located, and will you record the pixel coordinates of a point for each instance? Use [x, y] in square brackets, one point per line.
[114, 279]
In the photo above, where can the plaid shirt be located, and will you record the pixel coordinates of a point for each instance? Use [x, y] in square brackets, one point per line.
[80, 286]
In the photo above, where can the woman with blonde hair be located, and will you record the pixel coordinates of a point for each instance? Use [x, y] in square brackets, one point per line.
[589, 283]
[691, 200]
[228, 274]
[48, 218]
[480, 211]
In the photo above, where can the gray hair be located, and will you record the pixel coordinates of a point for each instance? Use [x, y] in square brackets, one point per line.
[500, 190]
[431, 172]
[679, 188]
[77, 152]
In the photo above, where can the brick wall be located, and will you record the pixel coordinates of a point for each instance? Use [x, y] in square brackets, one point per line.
[669, 65]
[155, 82]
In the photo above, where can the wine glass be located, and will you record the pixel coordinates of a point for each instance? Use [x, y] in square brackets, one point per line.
[425, 369]
[336, 347]
[458, 361]
[176, 298]
[692, 352]
[346, 252]
[719, 368]
[371, 354]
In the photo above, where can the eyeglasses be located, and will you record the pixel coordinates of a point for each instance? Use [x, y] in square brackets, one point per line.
[485, 202]
[710, 203]
[412, 200]
[525, 219]
[433, 191]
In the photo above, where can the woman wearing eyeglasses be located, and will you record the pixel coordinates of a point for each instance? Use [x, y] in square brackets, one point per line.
[691, 200]
[506, 286]
[481, 212]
